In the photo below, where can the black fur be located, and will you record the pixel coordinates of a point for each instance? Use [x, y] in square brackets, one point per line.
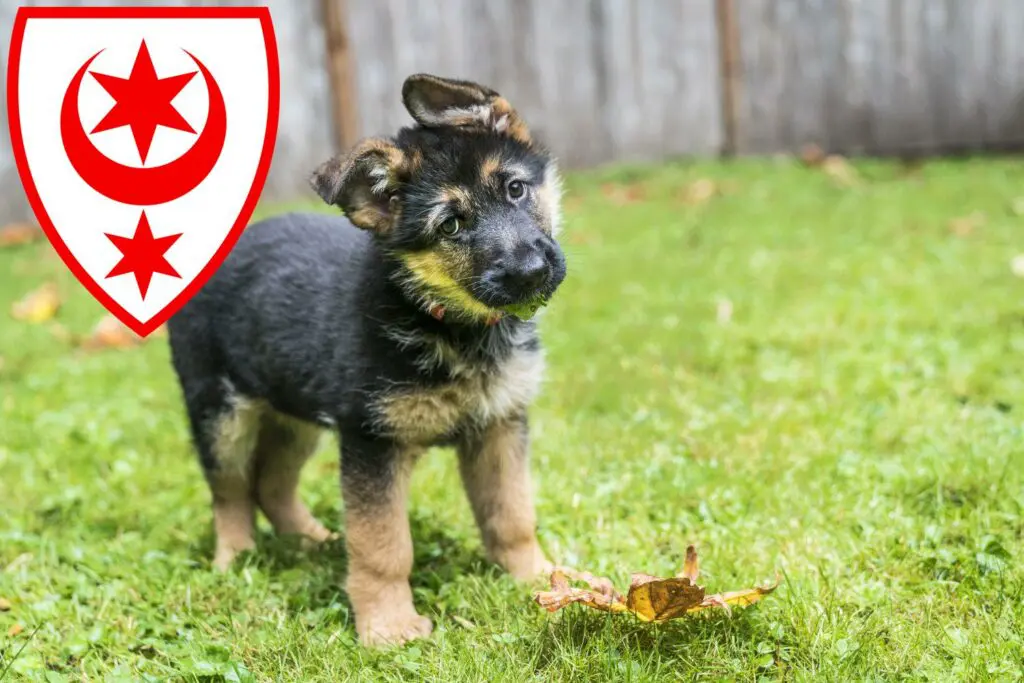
[320, 319]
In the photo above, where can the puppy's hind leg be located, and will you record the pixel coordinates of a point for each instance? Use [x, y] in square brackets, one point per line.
[283, 448]
[225, 427]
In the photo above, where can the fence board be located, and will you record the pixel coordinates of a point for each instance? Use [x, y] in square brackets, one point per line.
[618, 80]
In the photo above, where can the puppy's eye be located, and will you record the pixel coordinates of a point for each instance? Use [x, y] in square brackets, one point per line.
[516, 189]
[451, 227]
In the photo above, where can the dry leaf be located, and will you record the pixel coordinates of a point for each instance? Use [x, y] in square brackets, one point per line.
[699, 192]
[18, 233]
[621, 195]
[38, 305]
[650, 598]
[812, 154]
[110, 333]
[838, 169]
[15, 630]
[5, 605]
[965, 225]
[1017, 265]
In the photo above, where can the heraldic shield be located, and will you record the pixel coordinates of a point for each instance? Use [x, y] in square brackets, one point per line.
[143, 137]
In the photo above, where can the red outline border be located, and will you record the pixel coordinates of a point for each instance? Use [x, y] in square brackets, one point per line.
[269, 141]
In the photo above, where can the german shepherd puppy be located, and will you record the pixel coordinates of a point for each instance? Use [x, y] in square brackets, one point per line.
[390, 325]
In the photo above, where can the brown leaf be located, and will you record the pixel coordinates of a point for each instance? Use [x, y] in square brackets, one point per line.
[601, 595]
[699, 192]
[39, 305]
[691, 567]
[5, 605]
[654, 599]
[15, 234]
[650, 598]
[15, 630]
[965, 225]
[812, 154]
[838, 169]
[110, 333]
[621, 195]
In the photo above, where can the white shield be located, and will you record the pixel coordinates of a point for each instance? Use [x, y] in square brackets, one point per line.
[143, 137]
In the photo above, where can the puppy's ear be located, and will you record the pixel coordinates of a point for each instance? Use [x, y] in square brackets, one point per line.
[363, 183]
[434, 101]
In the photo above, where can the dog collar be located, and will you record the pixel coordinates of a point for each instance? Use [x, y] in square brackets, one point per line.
[437, 312]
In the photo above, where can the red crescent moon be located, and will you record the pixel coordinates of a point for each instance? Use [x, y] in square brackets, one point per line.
[143, 186]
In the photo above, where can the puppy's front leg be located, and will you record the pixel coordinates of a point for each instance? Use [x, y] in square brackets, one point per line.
[494, 463]
[375, 483]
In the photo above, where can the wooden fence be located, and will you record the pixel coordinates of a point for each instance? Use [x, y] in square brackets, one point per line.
[629, 80]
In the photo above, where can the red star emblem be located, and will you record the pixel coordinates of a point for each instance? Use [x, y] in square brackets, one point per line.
[143, 255]
[143, 101]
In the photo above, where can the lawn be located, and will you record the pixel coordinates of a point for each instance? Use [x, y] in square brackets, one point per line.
[796, 374]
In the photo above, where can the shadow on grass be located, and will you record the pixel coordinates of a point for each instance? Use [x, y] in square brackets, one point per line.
[607, 640]
[315, 577]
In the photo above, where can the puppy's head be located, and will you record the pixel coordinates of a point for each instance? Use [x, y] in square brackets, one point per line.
[465, 199]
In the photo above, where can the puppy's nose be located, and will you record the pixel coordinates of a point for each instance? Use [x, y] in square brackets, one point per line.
[529, 275]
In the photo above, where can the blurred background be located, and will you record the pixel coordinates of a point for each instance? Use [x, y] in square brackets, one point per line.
[643, 80]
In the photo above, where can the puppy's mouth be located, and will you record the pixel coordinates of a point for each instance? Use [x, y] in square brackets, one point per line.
[522, 305]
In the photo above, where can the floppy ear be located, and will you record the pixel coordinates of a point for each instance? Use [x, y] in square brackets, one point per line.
[434, 101]
[363, 183]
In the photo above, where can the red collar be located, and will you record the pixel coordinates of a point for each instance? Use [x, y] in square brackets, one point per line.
[437, 311]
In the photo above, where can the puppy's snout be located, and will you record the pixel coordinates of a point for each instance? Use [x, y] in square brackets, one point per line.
[525, 274]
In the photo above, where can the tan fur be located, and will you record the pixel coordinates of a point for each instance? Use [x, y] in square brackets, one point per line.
[495, 472]
[489, 167]
[423, 416]
[509, 121]
[260, 454]
[362, 183]
[380, 557]
[284, 446]
[234, 511]
[453, 194]
[549, 200]
[234, 517]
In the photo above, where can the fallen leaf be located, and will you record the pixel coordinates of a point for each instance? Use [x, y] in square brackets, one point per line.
[621, 195]
[963, 226]
[38, 305]
[812, 154]
[649, 598]
[5, 605]
[699, 192]
[110, 333]
[14, 234]
[15, 630]
[691, 567]
[1017, 265]
[839, 169]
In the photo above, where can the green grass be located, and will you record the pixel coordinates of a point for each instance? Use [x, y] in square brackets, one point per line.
[858, 425]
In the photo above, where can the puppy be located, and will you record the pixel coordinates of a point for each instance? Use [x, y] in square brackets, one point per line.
[403, 325]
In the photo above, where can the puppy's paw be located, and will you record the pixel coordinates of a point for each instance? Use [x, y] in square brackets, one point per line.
[316, 535]
[402, 626]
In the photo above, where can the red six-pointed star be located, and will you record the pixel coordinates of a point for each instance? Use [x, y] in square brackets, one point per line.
[143, 255]
[143, 101]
